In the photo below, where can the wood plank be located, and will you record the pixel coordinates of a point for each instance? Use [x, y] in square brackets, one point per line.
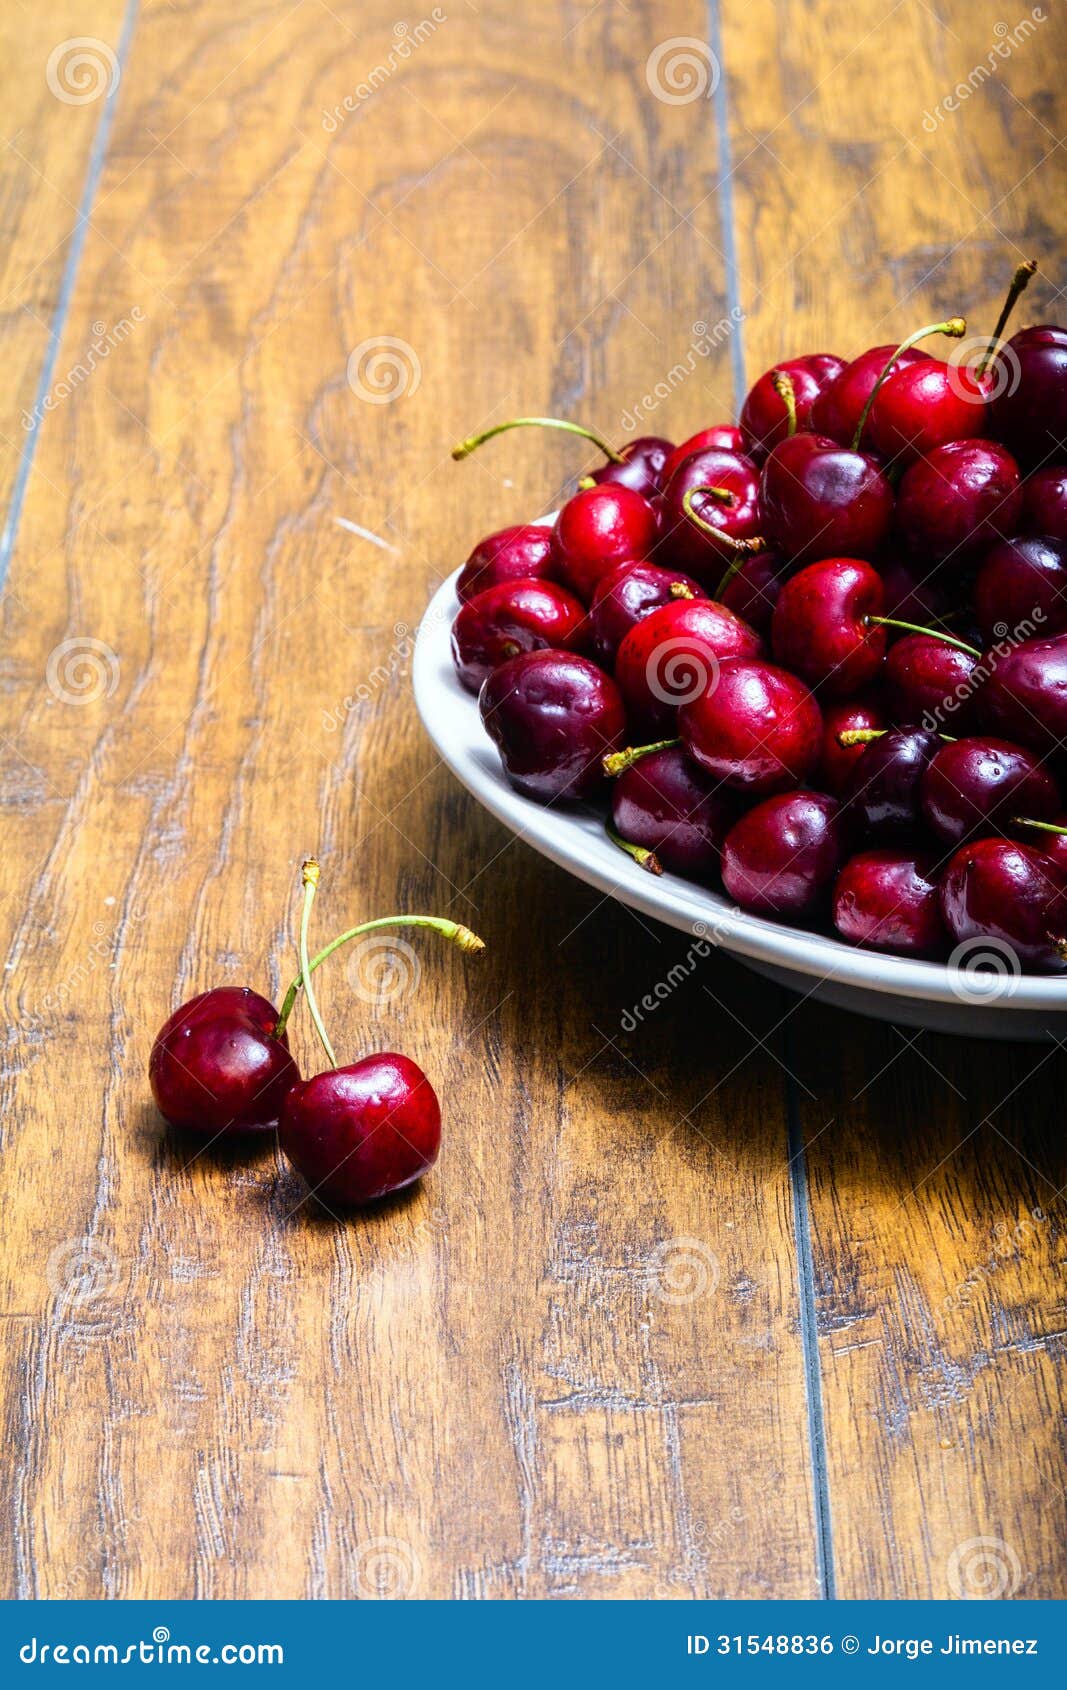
[505, 1384]
[935, 1167]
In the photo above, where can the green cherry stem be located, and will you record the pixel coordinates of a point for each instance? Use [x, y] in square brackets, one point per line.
[617, 762]
[866, 736]
[743, 548]
[782, 382]
[311, 883]
[473, 441]
[645, 859]
[954, 326]
[1019, 283]
[1046, 827]
[934, 633]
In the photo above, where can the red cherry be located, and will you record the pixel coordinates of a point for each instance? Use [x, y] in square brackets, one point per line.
[882, 794]
[781, 858]
[552, 716]
[673, 654]
[721, 489]
[958, 500]
[1029, 413]
[755, 727]
[928, 680]
[724, 437]
[511, 554]
[837, 410]
[765, 418]
[975, 786]
[512, 617]
[822, 627]
[924, 405]
[1045, 503]
[886, 900]
[1025, 696]
[819, 499]
[638, 465]
[998, 890]
[599, 528]
[666, 804]
[360, 1132]
[626, 596]
[909, 596]
[752, 590]
[848, 715]
[217, 1068]
[1021, 589]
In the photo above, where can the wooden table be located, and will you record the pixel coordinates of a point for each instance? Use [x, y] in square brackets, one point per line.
[756, 1299]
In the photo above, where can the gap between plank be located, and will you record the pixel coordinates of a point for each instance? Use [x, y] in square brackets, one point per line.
[798, 1166]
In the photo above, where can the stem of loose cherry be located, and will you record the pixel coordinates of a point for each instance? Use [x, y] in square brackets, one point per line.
[954, 326]
[1046, 827]
[916, 628]
[645, 859]
[473, 441]
[867, 736]
[311, 883]
[1019, 283]
[617, 762]
[743, 548]
[782, 382]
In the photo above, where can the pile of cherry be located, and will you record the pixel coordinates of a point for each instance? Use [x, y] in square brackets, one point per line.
[821, 655]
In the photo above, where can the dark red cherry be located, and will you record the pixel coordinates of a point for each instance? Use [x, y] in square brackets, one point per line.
[926, 404]
[724, 437]
[1051, 845]
[216, 1069]
[1045, 503]
[552, 717]
[1025, 695]
[756, 727]
[975, 786]
[848, 715]
[819, 499]
[822, 626]
[730, 508]
[752, 590]
[642, 466]
[958, 500]
[357, 1133]
[910, 595]
[765, 417]
[999, 890]
[511, 554]
[668, 805]
[1029, 413]
[1021, 589]
[882, 794]
[673, 655]
[931, 682]
[512, 617]
[781, 858]
[886, 900]
[599, 528]
[837, 410]
[626, 596]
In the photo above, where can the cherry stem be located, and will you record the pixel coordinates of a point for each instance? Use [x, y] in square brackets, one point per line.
[451, 930]
[679, 590]
[1046, 827]
[645, 859]
[782, 382]
[1019, 283]
[934, 633]
[617, 762]
[311, 882]
[473, 441]
[744, 548]
[866, 736]
[954, 326]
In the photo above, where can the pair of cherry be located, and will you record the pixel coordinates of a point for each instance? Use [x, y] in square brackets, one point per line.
[221, 1068]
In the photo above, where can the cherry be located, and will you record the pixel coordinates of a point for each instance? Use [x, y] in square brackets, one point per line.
[630, 593]
[755, 727]
[722, 436]
[883, 789]
[709, 504]
[639, 465]
[925, 405]
[512, 617]
[819, 499]
[1021, 587]
[974, 786]
[751, 591]
[887, 900]
[765, 417]
[552, 715]
[1045, 503]
[846, 716]
[599, 528]
[909, 596]
[1025, 696]
[999, 890]
[220, 1066]
[931, 680]
[781, 858]
[666, 805]
[674, 654]
[825, 625]
[1029, 413]
[511, 554]
[1050, 840]
[837, 410]
[958, 500]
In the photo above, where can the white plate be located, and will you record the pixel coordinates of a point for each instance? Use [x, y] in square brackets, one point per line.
[961, 999]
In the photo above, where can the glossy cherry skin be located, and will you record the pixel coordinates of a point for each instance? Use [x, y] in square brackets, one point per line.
[887, 900]
[752, 592]
[1051, 847]
[737, 517]
[819, 499]
[837, 761]
[975, 786]
[1000, 890]
[931, 682]
[642, 467]
[667, 804]
[782, 857]
[598, 528]
[673, 655]
[909, 594]
[1045, 503]
[958, 500]
[1030, 415]
[764, 419]
[357, 1133]
[1025, 696]
[552, 716]
[625, 597]
[757, 727]
[724, 437]
[216, 1068]
[512, 617]
[1021, 589]
[511, 554]
[838, 408]
[882, 794]
[821, 627]
[923, 405]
